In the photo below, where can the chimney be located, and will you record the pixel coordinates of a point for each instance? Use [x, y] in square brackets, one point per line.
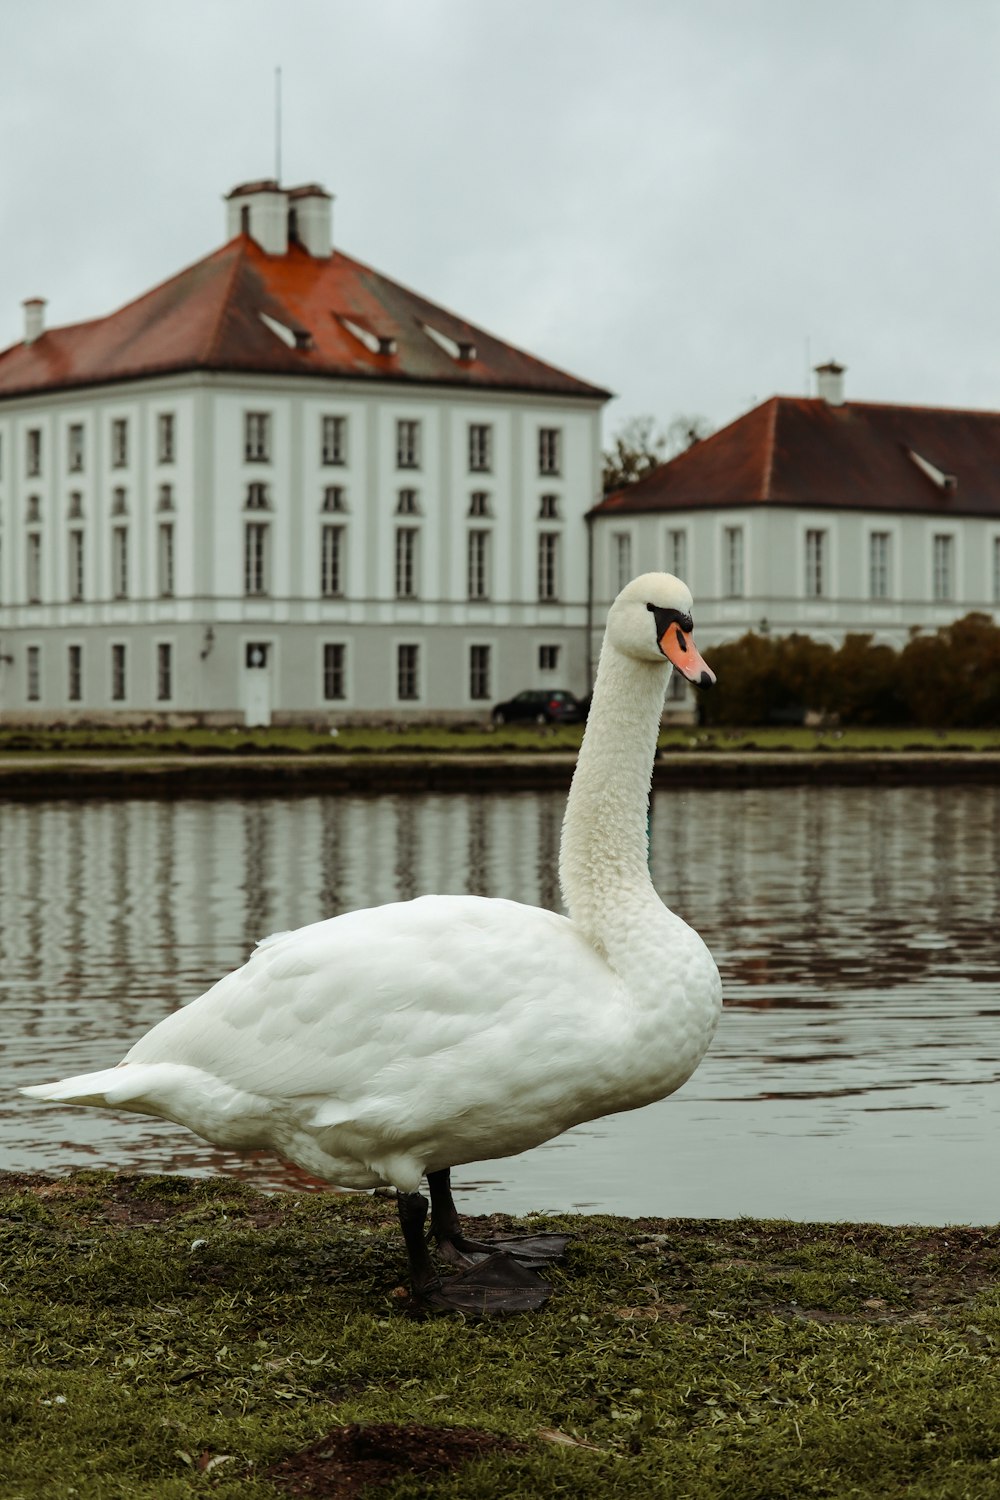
[34, 318]
[830, 383]
[310, 219]
[259, 209]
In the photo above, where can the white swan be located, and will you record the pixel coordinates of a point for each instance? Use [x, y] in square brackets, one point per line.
[382, 1045]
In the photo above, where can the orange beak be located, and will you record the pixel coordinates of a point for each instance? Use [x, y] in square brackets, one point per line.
[680, 650]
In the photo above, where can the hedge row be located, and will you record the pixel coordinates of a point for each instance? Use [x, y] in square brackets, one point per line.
[950, 678]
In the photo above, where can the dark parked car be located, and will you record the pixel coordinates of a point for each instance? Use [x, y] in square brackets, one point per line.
[540, 707]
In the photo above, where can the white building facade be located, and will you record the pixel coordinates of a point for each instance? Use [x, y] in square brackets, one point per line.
[819, 517]
[346, 503]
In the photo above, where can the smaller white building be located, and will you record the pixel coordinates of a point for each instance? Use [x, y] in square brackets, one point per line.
[281, 486]
[820, 516]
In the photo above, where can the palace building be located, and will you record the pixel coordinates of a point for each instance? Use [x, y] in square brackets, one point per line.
[279, 487]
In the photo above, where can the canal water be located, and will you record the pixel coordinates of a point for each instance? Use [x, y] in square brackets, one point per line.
[857, 930]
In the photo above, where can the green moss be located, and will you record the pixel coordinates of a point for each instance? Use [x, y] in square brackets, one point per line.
[151, 1325]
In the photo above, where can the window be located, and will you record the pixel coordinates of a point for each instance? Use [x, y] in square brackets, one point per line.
[334, 671]
[33, 513]
[33, 452]
[165, 497]
[479, 672]
[34, 673]
[76, 580]
[119, 502]
[548, 566]
[548, 658]
[479, 504]
[407, 503]
[480, 448]
[817, 582]
[334, 498]
[996, 570]
[407, 445]
[258, 497]
[165, 560]
[732, 562]
[333, 440]
[256, 654]
[548, 508]
[407, 673]
[677, 553]
[878, 565]
[621, 543]
[119, 443]
[118, 674]
[164, 672]
[479, 565]
[944, 568]
[549, 450]
[331, 566]
[165, 437]
[74, 673]
[74, 448]
[119, 562]
[75, 505]
[255, 558]
[406, 562]
[257, 437]
[33, 567]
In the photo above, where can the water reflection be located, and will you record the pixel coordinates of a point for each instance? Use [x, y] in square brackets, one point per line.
[856, 931]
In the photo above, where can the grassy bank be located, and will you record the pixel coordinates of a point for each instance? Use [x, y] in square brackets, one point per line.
[466, 739]
[164, 1337]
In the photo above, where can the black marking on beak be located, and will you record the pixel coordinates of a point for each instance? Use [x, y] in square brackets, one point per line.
[665, 617]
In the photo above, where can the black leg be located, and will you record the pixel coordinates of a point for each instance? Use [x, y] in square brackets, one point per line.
[529, 1249]
[497, 1284]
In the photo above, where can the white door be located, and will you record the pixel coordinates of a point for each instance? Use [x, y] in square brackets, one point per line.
[257, 684]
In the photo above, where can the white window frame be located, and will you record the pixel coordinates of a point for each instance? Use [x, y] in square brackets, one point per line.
[332, 560]
[257, 437]
[879, 565]
[734, 578]
[161, 647]
[119, 672]
[256, 559]
[550, 456]
[479, 556]
[406, 559]
[677, 551]
[621, 560]
[166, 435]
[74, 448]
[33, 453]
[119, 562]
[76, 560]
[33, 567]
[816, 557]
[408, 442]
[327, 671]
[74, 672]
[480, 448]
[944, 552]
[332, 440]
[33, 674]
[412, 665]
[166, 558]
[549, 564]
[119, 442]
[480, 677]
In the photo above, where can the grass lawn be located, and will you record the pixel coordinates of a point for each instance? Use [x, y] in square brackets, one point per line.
[438, 739]
[164, 1337]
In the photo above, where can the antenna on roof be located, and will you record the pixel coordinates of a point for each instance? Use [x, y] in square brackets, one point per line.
[277, 126]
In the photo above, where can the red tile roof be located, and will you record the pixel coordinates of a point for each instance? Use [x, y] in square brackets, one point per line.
[808, 453]
[209, 318]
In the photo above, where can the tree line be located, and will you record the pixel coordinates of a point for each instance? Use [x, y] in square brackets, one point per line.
[950, 678]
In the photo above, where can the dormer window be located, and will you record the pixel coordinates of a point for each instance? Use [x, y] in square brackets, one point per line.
[408, 503]
[258, 497]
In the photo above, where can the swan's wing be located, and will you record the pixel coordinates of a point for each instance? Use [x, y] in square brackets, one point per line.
[436, 994]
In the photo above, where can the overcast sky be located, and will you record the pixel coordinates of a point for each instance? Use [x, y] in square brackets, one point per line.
[686, 201]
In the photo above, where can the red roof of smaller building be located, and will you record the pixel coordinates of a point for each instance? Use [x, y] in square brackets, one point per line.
[811, 453]
[209, 317]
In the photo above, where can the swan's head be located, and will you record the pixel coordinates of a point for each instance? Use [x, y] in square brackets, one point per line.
[651, 621]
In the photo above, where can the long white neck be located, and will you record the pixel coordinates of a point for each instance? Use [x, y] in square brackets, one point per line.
[604, 856]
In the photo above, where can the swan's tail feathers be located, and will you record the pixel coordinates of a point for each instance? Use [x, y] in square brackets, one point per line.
[134, 1086]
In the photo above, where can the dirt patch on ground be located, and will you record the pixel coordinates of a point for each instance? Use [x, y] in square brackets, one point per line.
[350, 1459]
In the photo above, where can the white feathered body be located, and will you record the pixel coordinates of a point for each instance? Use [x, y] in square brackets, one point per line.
[381, 1044]
[485, 1028]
